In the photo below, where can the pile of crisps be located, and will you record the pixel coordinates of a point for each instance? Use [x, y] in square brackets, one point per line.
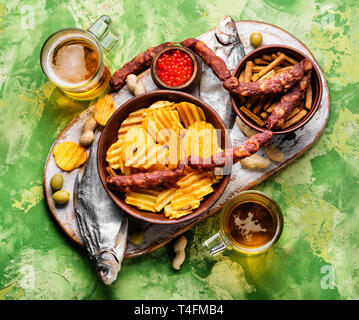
[71, 155]
[157, 138]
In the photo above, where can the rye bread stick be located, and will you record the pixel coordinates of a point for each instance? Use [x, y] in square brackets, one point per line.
[252, 116]
[295, 119]
[269, 67]
[308, 97]
[248, 71]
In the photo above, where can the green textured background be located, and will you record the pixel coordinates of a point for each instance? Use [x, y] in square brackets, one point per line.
[317, 255]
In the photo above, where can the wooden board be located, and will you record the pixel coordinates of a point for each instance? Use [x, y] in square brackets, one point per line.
[155, 236]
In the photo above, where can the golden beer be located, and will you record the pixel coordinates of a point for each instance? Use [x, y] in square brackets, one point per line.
[250, 225]
[251, 222]
[76, 61]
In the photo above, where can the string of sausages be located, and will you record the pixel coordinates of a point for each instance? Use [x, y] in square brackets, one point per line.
[294, 80]
[221, 159]
[145, 180]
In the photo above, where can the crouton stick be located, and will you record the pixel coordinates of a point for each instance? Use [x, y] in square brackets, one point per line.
[257, 68]
[260, 61]
[295, 119]
[308, 97]
[251, 101]
[290, 60]
[241, 76]
[261, 102]
[264, 115]
[252, 116]
[268, 103]
[280, 70]
[248, 71]
[269, 67]
[293, 113]
[267, 57]
[271, 108]
[268, 75]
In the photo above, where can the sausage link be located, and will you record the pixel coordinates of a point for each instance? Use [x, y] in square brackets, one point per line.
[278, 83]
[221, 159]
[136, 65]
[287, 103]
[209, 57]
[145, 180]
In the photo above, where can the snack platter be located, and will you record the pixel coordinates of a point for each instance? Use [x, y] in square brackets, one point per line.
[293, 145]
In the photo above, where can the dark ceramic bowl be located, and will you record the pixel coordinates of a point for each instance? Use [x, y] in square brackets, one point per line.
[292, 53]
[187, 86]
[109, 136]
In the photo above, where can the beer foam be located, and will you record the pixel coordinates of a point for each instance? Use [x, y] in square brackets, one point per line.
[70, 64]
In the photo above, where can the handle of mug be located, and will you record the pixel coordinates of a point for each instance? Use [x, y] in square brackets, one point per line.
[102, 30]
[214, 244]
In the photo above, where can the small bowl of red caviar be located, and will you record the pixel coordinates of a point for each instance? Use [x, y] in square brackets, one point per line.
[176, 68]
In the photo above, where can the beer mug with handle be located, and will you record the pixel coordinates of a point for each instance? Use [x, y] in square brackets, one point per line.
[251, 222]
[76, 61]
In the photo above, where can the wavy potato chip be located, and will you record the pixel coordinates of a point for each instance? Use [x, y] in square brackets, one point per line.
[200, 140]
[143, 200]
[135, 139]
[174, 150]
[114, 157]
[113, 154]
[145, 157]
[160, 122]
[133, 120]
[189, 113]
[174, 214]
[69, 155]
[160, 104]
[104, 109]
[164, 198]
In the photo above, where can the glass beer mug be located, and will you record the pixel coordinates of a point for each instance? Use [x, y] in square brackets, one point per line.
[76, 60]
[251, 222]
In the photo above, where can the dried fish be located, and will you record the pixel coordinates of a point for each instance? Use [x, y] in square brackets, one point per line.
[225, 42]
[103, 225]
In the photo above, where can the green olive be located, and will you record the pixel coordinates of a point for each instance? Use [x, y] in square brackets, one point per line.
[256, 39]
[61, 197]
[56, 182]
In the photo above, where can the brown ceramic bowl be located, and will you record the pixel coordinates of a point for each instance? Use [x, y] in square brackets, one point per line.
[187, 86]
[109, 136]
[292, 53]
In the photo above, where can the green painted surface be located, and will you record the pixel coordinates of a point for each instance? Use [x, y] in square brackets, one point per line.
[316, 257]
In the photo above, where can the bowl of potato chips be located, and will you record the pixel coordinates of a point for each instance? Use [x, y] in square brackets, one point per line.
[156, 131]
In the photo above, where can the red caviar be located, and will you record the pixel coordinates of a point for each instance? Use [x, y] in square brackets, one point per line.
[174, 67]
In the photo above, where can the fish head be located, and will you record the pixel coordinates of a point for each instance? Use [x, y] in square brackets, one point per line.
[226, 32]
[107, 266]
